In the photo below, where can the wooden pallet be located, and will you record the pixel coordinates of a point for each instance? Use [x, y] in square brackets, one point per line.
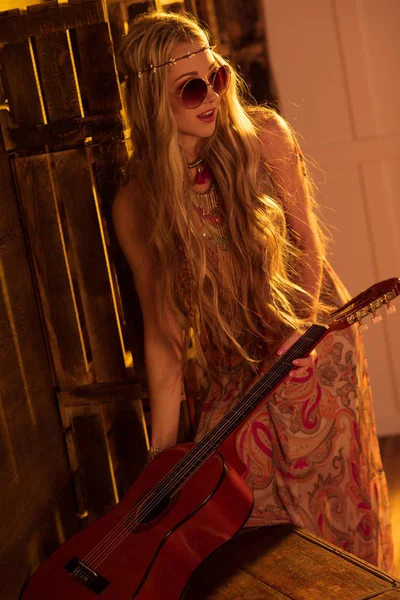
[63, 135]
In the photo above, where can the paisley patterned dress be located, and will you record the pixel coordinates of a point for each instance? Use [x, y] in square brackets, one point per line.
[310, 450]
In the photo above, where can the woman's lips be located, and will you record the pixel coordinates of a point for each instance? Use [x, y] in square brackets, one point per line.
[208, 115]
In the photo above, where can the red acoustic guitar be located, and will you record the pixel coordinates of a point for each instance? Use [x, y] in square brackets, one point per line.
[184, 506]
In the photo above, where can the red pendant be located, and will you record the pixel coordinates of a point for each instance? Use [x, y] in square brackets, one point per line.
[203, 176]
[199, 179]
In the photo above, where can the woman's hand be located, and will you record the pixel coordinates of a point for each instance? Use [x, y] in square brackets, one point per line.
[301, 365]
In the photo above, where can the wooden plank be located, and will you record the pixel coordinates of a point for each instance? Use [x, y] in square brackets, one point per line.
[131, 315]
[73, 173]
[8, 462]
[49, 17]
[25, 389]
[45, 472]
[36, 503]
[108, 159]
[390, 595]
[390, 452]
[96, 68]
[51, 255]
[5, 140]
[128, 442]
[139, 7]
[59, 87]
[2, 90]
[226, 582]
[119, 18]
[95, 468]
[297, 564]
[64, 134]
[109, 391]
[38, 514]
[74, 465]
[124, 428]
[20, 84]
[207, 13]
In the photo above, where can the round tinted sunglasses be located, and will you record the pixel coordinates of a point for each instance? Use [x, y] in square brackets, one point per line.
[195, 91]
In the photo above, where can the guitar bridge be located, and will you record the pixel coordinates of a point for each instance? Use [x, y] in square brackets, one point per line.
[83, 573]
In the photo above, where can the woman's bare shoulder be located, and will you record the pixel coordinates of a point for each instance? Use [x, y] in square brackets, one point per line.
[265, 118]
[275, 134]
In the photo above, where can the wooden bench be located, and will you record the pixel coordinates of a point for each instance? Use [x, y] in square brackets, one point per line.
[284, 562]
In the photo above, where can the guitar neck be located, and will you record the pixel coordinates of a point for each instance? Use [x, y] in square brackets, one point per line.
[264, 386]
[242, 409]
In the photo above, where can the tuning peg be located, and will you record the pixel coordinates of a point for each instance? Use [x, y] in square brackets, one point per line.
[390, 308]
[362, 326]
[375, 318]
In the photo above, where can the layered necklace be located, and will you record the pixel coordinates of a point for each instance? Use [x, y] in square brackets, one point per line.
[209, 208]
[208, 205]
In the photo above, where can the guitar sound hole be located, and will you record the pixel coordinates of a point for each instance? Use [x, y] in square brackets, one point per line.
[155, 512]
[147, 515]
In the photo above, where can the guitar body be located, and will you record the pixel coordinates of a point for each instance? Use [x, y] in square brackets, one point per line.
[154, 559]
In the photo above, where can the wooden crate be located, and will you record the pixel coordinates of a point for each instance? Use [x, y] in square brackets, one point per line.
[37, 503]
[60, 80]
[66, 236]
[283, 562]
[64, 133]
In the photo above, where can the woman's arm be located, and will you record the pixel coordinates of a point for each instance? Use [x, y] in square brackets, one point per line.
[281, 151]
[162, 358]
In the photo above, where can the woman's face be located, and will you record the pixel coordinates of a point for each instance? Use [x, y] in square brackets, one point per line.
[193, 123]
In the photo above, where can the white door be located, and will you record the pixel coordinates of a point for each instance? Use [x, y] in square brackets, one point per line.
[336, 65]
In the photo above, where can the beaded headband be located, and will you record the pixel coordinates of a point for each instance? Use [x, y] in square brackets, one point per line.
[171, 61]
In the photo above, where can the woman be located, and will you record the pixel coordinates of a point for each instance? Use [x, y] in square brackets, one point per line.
[217, 223]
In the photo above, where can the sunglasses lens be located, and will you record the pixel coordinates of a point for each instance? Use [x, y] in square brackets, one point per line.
[221, 80]
[195, 90]
[194, 93]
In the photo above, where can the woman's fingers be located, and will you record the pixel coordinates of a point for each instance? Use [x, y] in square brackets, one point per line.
[306, 361]
[288, 343]
[302, 365]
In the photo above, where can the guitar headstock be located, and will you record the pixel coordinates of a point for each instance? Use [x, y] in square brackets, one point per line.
[369, 302]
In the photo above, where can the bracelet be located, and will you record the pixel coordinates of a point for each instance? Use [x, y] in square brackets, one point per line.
[153, 452]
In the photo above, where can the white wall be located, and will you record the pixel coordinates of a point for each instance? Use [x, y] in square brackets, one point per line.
[336, 68]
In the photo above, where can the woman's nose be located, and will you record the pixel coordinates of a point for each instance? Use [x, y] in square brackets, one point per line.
[211, 94]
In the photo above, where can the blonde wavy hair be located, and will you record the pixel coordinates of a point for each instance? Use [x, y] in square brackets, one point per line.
[263, 300]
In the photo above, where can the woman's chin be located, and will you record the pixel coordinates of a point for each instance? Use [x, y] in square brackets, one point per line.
[205, 130]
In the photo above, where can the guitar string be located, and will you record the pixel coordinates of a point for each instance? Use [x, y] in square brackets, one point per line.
[129, 521]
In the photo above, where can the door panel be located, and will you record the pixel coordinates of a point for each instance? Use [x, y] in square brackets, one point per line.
[334, 62]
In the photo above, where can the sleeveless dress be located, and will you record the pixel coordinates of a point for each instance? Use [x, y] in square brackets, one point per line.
[311, 450]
